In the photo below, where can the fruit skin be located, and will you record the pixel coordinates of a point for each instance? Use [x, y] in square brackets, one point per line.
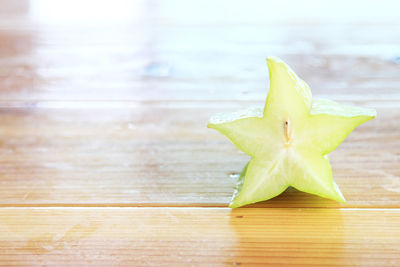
[288, 139]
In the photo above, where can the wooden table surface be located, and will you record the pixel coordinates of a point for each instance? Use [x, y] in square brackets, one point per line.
[105, 158]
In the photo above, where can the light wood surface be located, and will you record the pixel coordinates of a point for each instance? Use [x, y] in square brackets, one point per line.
[198, 236]
[132, 156]
[105, 158]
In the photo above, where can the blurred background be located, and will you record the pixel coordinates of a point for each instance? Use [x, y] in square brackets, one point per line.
[197, 50]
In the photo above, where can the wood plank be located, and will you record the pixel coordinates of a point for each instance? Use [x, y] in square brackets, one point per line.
[152, 155]
[198, 236]
[339, 77]
[158, 55]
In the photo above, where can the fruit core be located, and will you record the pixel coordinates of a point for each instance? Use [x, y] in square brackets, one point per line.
[286, 129]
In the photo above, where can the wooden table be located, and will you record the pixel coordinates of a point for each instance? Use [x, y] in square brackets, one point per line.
[105, 158]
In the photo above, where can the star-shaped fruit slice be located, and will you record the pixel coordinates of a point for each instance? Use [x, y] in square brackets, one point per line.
[289, 139]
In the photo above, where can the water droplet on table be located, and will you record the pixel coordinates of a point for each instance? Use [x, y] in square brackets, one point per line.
[234, 175]
[158, 69]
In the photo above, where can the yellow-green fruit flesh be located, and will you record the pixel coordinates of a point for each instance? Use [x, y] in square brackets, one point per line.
[288, 140]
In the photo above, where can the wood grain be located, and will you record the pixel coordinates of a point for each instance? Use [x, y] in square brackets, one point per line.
[132, 157]
[157, 54]
[198, 236]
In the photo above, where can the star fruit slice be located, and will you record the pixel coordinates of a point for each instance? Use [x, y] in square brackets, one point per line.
[289, 139]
